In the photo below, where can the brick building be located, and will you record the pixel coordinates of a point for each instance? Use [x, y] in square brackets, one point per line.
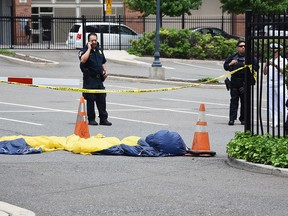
[77, 8]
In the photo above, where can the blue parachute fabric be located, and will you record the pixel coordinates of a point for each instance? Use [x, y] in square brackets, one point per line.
[143, 149]
[17, 147]
[162, 143]
[115, 150]
[167, 143]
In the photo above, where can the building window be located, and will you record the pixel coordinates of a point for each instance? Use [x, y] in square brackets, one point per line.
[23, 1]
[46, 9]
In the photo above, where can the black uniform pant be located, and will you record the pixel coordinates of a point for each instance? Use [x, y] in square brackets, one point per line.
[100, 100]
[234, 103]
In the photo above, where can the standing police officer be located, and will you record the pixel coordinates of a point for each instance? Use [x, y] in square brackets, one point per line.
[94, 73]
[233, 62]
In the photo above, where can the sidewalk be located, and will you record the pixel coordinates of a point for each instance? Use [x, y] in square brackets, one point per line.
[7, 209]
[123, 57]
[52, 58]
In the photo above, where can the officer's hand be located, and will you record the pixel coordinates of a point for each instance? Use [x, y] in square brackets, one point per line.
[89, 45]
[234, 61]
[105, 74]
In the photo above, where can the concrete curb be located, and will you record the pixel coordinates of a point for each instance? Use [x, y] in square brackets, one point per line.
[258, 168]
[167, 82]
[128, 62]
[134, 60]
[43, 63]
[7, 209]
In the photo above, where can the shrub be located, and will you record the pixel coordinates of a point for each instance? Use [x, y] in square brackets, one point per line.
[184, 44]
[259, 149]
[208, 80]
[4, 51]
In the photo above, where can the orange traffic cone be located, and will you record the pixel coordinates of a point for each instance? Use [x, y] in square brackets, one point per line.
[81, 127]
[201, 144]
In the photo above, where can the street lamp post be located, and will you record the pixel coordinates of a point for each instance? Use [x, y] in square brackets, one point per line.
[156, 62]
[104, 10]
[156, 70]
[104, 20]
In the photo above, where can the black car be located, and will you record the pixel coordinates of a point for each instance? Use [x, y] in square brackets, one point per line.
[216, 32]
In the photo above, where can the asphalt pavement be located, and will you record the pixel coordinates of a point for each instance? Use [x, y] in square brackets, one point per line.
[124, 58]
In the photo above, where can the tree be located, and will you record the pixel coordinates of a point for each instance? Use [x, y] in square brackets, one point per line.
[258, 6]
[168, 7]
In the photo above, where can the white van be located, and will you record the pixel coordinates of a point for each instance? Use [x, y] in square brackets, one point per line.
[273, 31]
[114, 35]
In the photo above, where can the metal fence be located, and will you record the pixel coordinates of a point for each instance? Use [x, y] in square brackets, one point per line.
[50, 32]
[266, 101]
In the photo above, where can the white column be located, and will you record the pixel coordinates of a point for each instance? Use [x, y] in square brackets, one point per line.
[78, 11]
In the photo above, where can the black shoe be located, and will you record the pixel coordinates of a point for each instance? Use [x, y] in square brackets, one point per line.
[93, 123]
[105, 122]
[231, 122]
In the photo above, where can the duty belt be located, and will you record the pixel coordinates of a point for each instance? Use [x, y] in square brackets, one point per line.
[100, 76]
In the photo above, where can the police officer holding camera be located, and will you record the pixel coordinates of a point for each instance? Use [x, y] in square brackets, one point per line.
[236, 85]
[92, 64]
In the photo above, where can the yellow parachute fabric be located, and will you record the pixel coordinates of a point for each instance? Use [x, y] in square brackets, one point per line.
[47, 143]
[74, 143]
[90, 145]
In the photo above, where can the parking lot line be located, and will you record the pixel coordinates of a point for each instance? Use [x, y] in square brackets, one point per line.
[24, 122]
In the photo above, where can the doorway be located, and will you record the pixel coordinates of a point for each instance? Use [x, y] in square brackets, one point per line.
[42, 24]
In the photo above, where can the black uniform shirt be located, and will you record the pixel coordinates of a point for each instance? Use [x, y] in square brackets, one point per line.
[240, 63]
[237, 79]
[92, 69]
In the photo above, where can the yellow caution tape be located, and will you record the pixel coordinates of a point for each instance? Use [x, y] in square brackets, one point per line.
[253, 72]
[134, 91]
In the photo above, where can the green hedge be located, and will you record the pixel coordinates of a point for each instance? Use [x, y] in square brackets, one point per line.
[259, 149]
[184, 44]
[187, 44]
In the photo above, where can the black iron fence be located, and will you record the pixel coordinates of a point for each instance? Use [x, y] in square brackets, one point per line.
[266, 40]
[50, 32]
